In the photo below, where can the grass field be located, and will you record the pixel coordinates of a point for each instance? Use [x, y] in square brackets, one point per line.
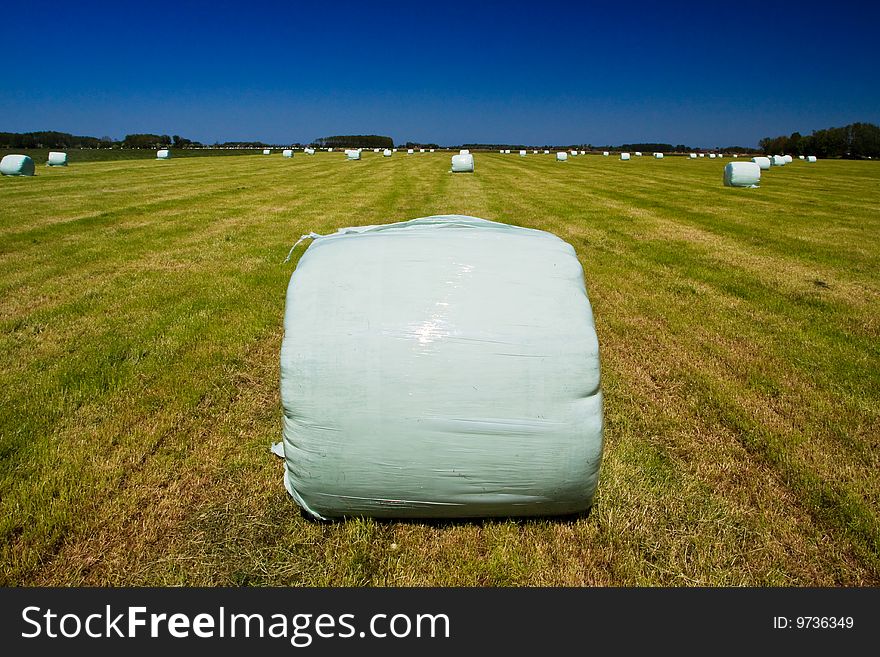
[141, 309]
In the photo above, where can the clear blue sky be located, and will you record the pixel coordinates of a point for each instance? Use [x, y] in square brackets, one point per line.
[710, 73]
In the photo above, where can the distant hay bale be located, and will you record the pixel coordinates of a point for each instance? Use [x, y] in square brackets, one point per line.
[778, 161]
[409, 151]
[624, 156]
[583, 152]
[501, 151]
[762, 162]
[57, 159]
[432, 150]
[546, 152]
[534, 152]
[561, 156]
[375, 150]
[287, 153]
[266, 151]
[658, 156]
[353, 154]
[574, 153]
[788, 159]
[463, 163]
[811, 158]
[735, 155]
[163, 154]
[605, 153]
[638, 153]
[801, 157]
[702, 155]
[522, 153]
[742, 174]
[421, 150]
[507, 152]
[309, 151]
[693, 156]
[711, 156]
[17, 165]
[464, 151]
[386, 153]
[720, 155]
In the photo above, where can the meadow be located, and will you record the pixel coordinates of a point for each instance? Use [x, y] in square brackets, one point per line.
[141, 308]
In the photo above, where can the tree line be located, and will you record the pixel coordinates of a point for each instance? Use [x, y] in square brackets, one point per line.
[355, 141]
[856, 140]
[51, 139]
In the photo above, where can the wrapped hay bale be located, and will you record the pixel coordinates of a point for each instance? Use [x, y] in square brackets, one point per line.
[711, 156]
[409, 151]
[638, 153]
[762, 162]
[801, 157]
[605, 153]
[267, 151]
[788, 159]
[287, 153]
[463, 163]
[546, 152]
[692, 156]
[464, 151]
[443, 367]
[163, 154]
[17, 165]
[811, 158]
[562, 156]
[386, 153]
[702, 155]
[353, 154]
[56, 159]
[522, 153]
[777, 161]
[309, 151]
[624, 156]
[658, 156]
[742, 174]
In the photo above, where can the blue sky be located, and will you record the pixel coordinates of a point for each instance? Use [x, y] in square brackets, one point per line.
[703, 73]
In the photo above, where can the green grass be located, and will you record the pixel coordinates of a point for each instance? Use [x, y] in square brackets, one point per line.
[80, 155]
[141, 308]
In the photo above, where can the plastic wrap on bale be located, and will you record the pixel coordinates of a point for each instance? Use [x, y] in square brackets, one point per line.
[444, 367]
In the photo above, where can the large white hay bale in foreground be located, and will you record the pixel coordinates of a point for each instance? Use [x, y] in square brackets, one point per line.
[522, 153]
[811, 158]
[163, 154]
[17, 165]
[777, 161]
[693, 156]
[405, 396]
[287, 153]
[624, 156]
[742, 174]
[386, 153]
[762, 162]
[561, 156]
[57, 159]
[658, 156]
[788, 159]
[463, 163]
[266, 151]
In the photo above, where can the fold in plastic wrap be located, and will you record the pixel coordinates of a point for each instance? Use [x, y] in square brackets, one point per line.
[440, 367]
